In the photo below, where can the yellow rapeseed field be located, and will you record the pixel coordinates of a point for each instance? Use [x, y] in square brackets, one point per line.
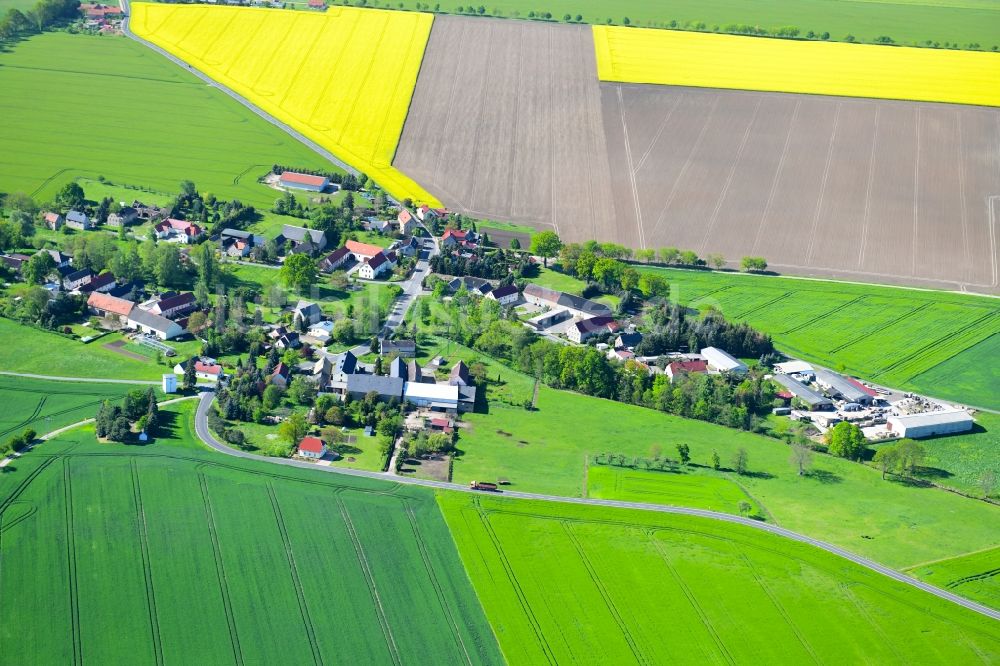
[343, 78]
[705, 60]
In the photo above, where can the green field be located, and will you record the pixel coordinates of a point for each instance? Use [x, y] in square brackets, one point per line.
[44, 353]
[905, 21]
[958, 461]
[575, 584]
[167, 554]
[841, 502]
[636, 485]
[48, 405]
[79, 106]
[928, 341]
[976, 575]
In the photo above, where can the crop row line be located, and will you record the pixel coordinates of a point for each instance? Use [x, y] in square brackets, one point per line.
[825, 315]
[6, 525]
[936, 343]
[296, 581]
[516, 584]
[41, 404]
[776, 603]
[370, 580]
[432, 576]
[878, 329]
[147, 571]
[637, 652]
[723, 650]
[74, 592]
[866, 614]
[766, 304]
[982, 575]
[220, 570]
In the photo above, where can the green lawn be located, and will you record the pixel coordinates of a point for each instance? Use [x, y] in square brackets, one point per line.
[958, 461]
[40, 352]
[168, 554]
[48, 405]
[929, 341]
[134, 118]
[560, 281]
[702, 491]
[976, 575]
[842, 502]
[96, 190]
[577, 584]
[905, 21]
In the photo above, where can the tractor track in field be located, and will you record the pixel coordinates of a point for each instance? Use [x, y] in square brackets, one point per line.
[296, 581]
[438, 590]
[147, 572]
[220, 571]
[370, 581]
[74, 592]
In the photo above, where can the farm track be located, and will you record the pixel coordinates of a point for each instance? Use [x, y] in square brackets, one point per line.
[73, 588]
[147, 572]
[203, 433]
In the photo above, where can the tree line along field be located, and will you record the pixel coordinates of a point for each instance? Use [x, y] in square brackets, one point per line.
[574, 584]
[342, 78]
[44, 405]
[908, 339]
[107, 106]
[842, 502]
[164, 553]
[959, 22]
[670, 57]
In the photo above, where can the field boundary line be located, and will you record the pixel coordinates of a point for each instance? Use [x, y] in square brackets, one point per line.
[595, 578]
[294, 571]
[776, 603]
[429, 566]
[93, 380]
[74, 591]
[992, 222]
[705, 621]
[370, 580]
[515, 584]
[147, 572]
[953, 557]
[220, 570]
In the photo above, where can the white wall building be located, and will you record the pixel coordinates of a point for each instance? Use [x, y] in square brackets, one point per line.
[930, 423]
[721, 361]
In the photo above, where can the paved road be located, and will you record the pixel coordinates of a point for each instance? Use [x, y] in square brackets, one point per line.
[144, 382]
[201, 428]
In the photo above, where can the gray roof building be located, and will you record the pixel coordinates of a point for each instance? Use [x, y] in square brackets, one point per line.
[358, 386]
[803, 392]
[840, 386]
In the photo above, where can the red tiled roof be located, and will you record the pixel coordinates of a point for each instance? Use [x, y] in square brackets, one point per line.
[697, 365]
[208, 368]
[457, 234]
[440, 423]
[113, 304]
[363, 249]
[404, 216]
[861, 387]
[303, 178]
[185, 227]
[311, 444]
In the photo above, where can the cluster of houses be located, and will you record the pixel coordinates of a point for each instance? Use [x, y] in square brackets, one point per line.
[105, 18]
[66, 277]
[164, 316]
[123, 217]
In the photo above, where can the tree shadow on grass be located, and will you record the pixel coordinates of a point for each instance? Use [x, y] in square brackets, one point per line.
[933, 473]
[824, 476]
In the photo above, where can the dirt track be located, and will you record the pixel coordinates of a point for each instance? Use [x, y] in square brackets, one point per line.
[509, 122]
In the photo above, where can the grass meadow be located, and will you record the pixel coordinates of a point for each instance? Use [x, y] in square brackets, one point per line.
[47, 405]
[108, 106]
[842, 502]
[165, 553]
[928, 341]
[905, 21]
[976, 575]
[577, 584]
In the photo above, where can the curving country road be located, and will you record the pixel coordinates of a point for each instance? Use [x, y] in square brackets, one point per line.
[206, 436]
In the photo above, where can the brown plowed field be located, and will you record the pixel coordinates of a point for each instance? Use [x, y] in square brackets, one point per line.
[509, 122]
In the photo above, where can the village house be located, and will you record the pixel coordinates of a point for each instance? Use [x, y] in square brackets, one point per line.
[77, 279]
[124, 217]
[362, 251]
[473, 285]
[283, 338]
[78, 220]
[321, 331]
[405, 348]
[307, 312]
[303, 181]
[281, 376]
[178, 231]
[205, 369]
[312, 447]
[317, 4]
[427, 214]
[14, 261]
[331, 372]
[582, 331]
[303, 241]
[149, 213]
[110, 307]
[506, 295]
[577, 306]
[334, 260]
[628, 340]
[374, 267]
[104, 283]
[409, 247]
[58, 258]
[676, 368]
[171, 305]
[387, 388]
[459, 375]
[53, 221]
[154, 324]
[406, 223]
[454, 238]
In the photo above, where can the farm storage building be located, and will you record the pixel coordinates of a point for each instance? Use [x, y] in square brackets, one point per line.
[303, 181]
[804, 393]
[439, 397]
[721, 361]
[838, 385]
[930, 424]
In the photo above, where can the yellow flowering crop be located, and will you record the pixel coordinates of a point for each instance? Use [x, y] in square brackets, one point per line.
[705, 60]
[343, 78]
